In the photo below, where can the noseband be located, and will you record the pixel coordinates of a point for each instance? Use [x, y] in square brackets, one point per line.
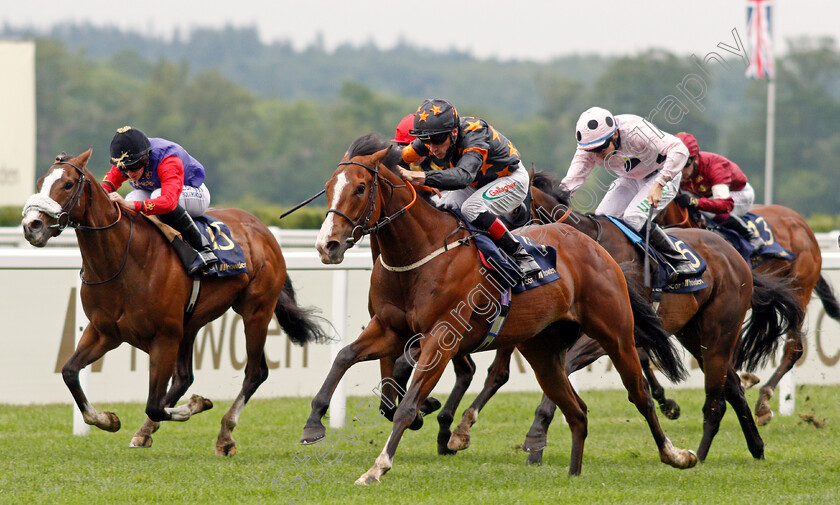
[63, 220]
[370, 206]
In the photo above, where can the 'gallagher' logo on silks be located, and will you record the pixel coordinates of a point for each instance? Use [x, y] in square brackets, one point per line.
[497, 192]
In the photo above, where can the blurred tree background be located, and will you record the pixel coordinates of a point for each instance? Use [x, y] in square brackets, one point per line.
[269, 123]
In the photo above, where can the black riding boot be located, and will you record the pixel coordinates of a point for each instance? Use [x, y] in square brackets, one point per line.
[513, 248]
[183, 222]
[736, 223]
[662, 243]
[488, 222]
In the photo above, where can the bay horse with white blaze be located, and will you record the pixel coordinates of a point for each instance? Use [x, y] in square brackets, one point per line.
[444, 299]
[792, 232]
[135, 290]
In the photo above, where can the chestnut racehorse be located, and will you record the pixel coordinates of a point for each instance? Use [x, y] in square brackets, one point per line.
[707, 322]
[441, 297]
[792, 232]
[135, 290]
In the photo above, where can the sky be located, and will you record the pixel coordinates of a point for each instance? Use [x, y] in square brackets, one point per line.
[510, 29]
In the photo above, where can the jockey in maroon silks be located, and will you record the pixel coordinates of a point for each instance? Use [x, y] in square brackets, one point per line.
[167, 182]
[717, 188]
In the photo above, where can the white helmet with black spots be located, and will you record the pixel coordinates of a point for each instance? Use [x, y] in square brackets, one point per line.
[594, 127]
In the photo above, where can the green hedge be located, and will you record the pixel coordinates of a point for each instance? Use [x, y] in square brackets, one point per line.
[10, 216]
[306, 217]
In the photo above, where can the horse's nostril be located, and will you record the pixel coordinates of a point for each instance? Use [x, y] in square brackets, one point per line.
[36, 225]
[332, 246]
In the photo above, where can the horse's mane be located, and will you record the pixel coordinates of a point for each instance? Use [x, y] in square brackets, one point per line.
[371, 143]
[548, 183]
[62, 156]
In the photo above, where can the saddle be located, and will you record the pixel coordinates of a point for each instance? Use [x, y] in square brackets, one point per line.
[687, 285]
[230, 254]
[771, 249]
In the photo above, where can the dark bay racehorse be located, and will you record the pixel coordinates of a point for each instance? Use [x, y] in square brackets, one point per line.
[706, 322]
[792, 232]
[442, 298]
[135, 290]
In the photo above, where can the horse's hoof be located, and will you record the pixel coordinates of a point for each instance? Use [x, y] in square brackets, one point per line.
[141, 442]
[199, 404]
[748, 380]
[226, 450]
[430, 405]
[534, 444]
[458, 441]
[416, 424]
[764, 419]
[367, 480]
[534, 458]
[445, 451]
[670, 409]
[312, 435]
[113, 424]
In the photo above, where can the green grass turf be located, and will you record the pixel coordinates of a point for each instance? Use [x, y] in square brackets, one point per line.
[42, 462]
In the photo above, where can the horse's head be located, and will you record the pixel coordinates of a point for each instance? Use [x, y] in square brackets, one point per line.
[58, 201]
[354, 204]
[675, 215]
[550, 197]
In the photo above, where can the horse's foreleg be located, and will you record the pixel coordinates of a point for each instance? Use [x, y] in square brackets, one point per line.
[430, 366]
[497, 376]
[620, 347]
[162, 358]
[181, 381]
[735, 397]
[668, 406]
[714, 369]
[374, 342]
[537, 438]
[794, 348]
[92, 346]
[546, 360]
[464, 372]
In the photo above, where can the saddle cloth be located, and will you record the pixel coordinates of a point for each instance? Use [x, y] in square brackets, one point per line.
[686, 285]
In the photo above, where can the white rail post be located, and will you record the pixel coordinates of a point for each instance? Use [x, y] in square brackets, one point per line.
[80, 322]
[338, 403]
[787, 393]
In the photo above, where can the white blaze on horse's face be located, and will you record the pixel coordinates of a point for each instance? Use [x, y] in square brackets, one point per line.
[326, 232]
[36, 201]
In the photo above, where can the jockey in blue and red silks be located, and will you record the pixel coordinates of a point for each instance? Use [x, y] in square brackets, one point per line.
[167, 182]
[482, 174]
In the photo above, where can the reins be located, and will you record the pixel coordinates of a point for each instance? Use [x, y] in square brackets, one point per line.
[71, 204]
[370, 206]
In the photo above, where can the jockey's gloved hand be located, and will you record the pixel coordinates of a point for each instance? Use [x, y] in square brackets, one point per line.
[685, 200]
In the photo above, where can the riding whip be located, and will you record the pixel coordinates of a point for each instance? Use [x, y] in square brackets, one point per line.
[301, 204]
[647, 245]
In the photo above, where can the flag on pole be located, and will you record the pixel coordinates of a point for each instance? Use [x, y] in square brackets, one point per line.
[759, 45]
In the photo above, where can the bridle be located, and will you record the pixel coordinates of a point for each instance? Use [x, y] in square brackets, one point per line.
[63, 220]
[370, 206]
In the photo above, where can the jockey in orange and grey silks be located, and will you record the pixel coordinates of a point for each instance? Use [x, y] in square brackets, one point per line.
[482, 173]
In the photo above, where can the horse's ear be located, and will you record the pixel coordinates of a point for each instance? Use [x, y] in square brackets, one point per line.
[532, 172]
[83, 158]
[377, 157]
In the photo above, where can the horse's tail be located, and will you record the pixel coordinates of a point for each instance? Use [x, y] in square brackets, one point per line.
[652, 337]
[775, 312]
[828, 299]
[300, 324]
